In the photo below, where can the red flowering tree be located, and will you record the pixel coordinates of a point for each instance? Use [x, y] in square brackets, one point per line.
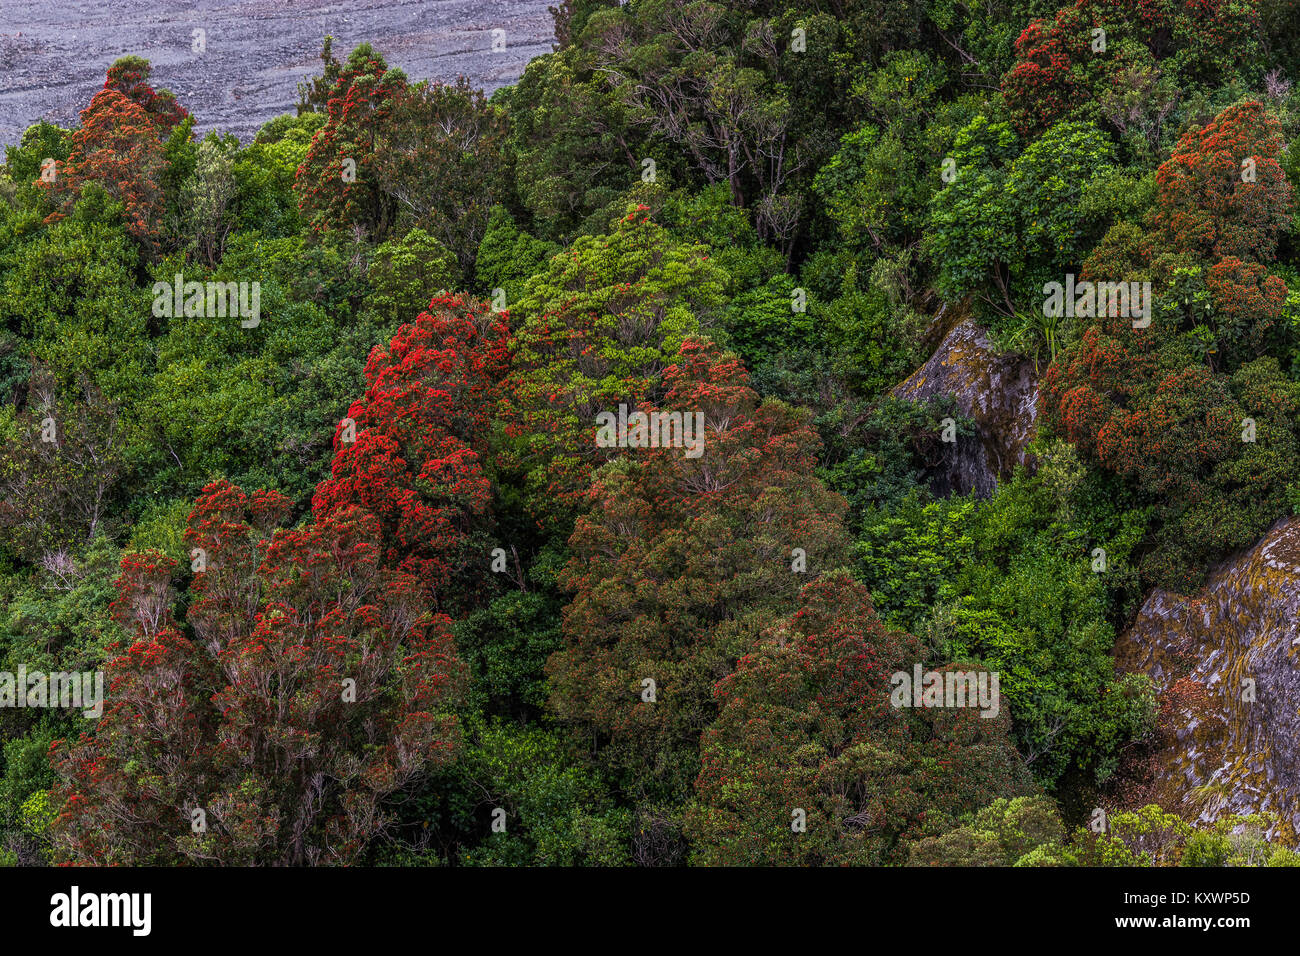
[1117, 398]
[117, 146]
[316, 684]
[807, 731]
[1140, 405]
[1062, 67]
[678, 566]
[337, 183]
[1223, 192]
[1180, 408]
[410, 450]
[1053, 73]
[129, 76]
[1248, 305]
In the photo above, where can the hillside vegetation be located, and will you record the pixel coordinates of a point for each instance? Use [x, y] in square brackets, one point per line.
[547, 478]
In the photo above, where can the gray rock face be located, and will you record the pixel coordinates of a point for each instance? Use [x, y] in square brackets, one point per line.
[1000, 393]
[1222, 752]
[54, 53]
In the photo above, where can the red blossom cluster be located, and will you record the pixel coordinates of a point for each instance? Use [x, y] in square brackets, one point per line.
[1062, 65]
[1140, 401]
[130, 77]
[116, 146]
[1222, 193]
[318, 678]
[317, 682]
[415, 463]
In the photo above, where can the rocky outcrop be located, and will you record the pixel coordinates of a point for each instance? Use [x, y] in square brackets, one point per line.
[1226, 666]
[1000, 393]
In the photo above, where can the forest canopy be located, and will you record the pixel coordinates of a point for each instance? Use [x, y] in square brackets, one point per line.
[301, 442]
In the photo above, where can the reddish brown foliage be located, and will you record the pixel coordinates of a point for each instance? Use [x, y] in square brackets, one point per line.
[681, 563]
[317, 684]
[806, 723]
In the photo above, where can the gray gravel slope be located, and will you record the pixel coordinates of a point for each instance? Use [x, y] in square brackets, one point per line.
[54, 53]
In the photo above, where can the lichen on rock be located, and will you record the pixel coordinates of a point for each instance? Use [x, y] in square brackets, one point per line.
[998, 392]
[1220, 751]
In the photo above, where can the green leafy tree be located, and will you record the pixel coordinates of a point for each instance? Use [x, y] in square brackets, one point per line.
[1024, 831]
[595, 330]
[60, 471]
[809, 761]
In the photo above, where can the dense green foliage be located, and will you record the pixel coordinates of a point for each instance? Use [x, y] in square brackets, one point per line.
[571, 651]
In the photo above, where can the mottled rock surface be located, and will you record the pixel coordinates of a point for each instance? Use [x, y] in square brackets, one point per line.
[1220, 752]
[54, 53]
[1000, 393]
